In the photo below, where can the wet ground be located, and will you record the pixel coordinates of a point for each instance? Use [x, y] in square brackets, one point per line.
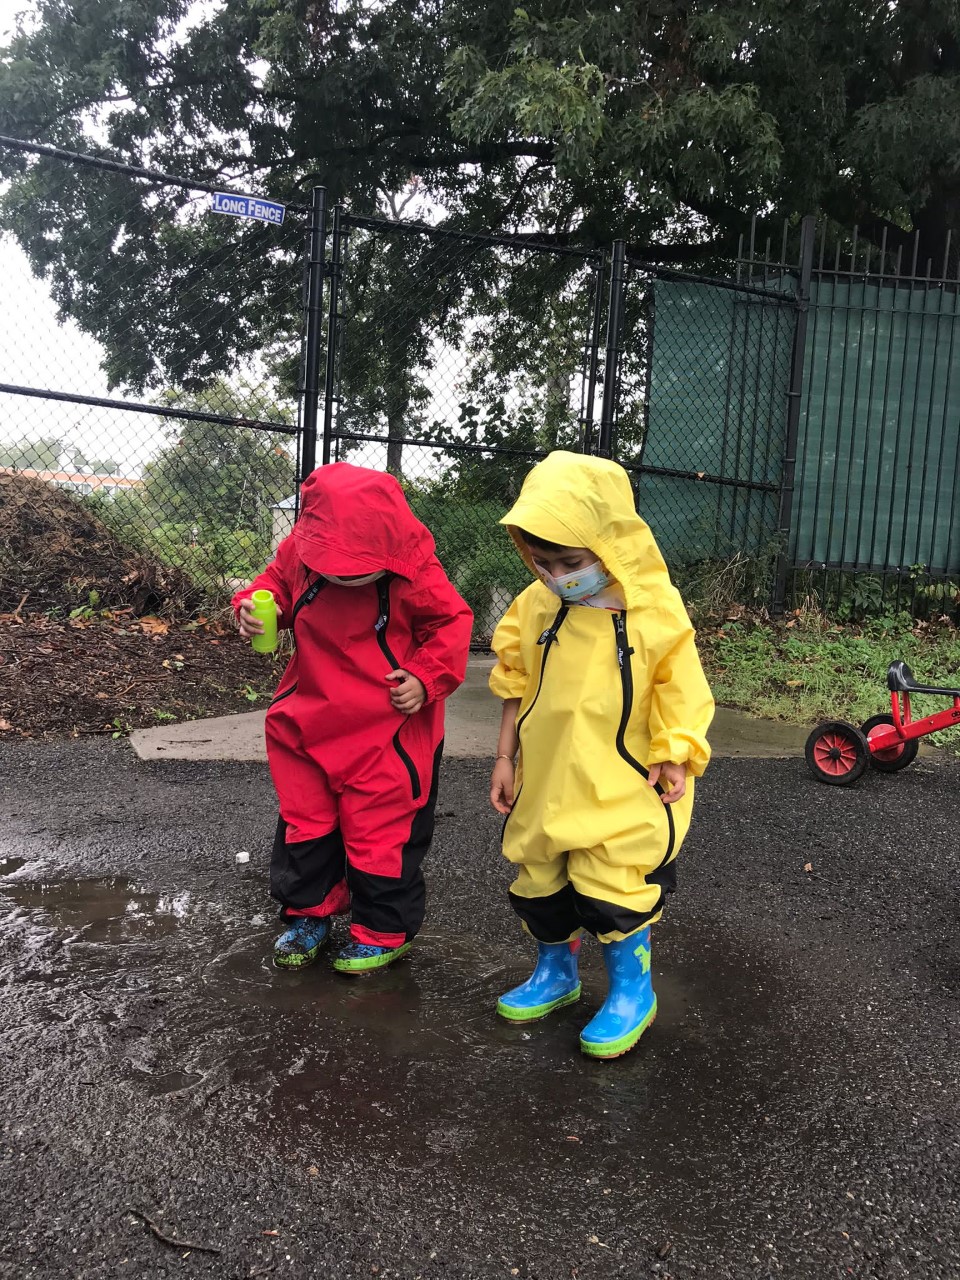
[793, 1112]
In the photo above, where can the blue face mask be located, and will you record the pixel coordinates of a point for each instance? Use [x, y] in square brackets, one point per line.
[579, 585]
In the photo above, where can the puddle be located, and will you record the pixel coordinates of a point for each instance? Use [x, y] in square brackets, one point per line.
[110, 911]
[166, 1083]
[414, 1060]
[437, 1001]
[9, 865]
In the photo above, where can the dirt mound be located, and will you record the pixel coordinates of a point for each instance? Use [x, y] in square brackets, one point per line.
[55, 552]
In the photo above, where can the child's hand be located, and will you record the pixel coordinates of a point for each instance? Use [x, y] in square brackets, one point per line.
[408, 695]
[248, 624]
[501, 785]
[672, 777]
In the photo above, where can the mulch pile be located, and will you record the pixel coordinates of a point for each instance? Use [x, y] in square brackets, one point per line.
[136, 652]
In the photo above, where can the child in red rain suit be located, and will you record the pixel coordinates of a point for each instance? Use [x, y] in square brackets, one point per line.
[355, 730]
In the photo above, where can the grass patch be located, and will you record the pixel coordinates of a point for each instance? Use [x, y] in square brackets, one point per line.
[804, 668]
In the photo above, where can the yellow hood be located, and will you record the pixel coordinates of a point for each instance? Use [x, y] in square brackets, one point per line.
[581, 501]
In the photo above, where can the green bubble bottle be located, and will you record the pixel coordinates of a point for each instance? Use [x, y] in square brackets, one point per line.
[265, 608]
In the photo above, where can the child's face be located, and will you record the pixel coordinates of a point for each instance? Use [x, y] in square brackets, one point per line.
[563, 560]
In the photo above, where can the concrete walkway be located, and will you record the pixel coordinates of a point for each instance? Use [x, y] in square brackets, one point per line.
[473, 719]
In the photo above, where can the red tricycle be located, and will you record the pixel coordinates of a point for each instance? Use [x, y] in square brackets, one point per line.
[838, 753]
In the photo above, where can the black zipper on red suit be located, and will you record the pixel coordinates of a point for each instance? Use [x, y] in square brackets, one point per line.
[624, 653]
[547, 639]
[380, 627]
[306, 598]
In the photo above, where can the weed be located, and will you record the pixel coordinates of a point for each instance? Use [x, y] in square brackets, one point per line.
[807, 668]
[89, 610]
[119, 728]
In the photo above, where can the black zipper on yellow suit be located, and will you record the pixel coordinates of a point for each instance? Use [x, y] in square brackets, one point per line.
[546, 640]
[624, 652]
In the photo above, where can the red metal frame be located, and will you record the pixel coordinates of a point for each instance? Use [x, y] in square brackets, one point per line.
[904, 727]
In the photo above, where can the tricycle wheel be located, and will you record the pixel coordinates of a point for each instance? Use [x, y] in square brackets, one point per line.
[837, 753]
[890, 759]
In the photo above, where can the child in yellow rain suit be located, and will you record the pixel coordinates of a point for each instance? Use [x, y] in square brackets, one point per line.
[606, 702]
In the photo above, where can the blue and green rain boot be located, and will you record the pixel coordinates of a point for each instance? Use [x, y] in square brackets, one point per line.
[630, 1006]
[362, 957]
[554, 983]
[301, 943]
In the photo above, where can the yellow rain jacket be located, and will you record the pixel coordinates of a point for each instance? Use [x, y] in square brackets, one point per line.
[603, 695]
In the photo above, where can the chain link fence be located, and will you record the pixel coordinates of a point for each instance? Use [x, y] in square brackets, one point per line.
[458, 362]
[161, 389]
[786, 420]
[703, 396]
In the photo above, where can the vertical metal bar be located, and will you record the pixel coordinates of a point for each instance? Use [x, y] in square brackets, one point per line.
[884, 557]
[874, 437]
[944, 433]
[931, 397]
[333, 332]
[853, 559]
[897, 438]
[800, 553]
[769, 419]
[593, 357]
[914, 410]
[808, 231]
[838, 437]
[608, 413]
[948, 556]
[822, 274]
[314, 316]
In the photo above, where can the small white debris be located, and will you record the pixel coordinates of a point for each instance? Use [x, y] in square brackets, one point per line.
[243, 857]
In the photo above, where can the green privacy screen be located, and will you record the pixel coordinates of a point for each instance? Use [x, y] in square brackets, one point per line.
[878, 461]
[717, 405]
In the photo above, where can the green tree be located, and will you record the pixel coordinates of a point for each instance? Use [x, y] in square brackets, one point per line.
[217, 476]
[32, 455]
[664, 123]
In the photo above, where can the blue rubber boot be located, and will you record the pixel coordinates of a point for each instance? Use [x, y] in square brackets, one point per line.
[301, 943]
[553, 983]
[630, 1006]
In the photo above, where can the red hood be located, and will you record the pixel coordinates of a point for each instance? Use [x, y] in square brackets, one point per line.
[354, 521]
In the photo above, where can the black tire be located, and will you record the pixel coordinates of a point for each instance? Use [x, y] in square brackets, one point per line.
[837, 753]
[893, 759]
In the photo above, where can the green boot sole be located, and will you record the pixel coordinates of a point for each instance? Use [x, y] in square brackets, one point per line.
[368, 963]
[537, 1011]
[617, 1048]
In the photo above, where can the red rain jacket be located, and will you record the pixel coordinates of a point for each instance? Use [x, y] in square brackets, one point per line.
[333, 702]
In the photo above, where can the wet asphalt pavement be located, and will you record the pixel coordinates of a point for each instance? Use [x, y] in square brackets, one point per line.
[793, 1112]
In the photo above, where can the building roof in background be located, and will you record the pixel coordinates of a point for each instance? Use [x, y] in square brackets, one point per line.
[74, 477]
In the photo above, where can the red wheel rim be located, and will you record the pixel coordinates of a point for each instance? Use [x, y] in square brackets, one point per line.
[835, 753]
[888, 753]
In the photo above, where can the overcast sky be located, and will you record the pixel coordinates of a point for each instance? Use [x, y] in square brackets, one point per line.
[37, 351]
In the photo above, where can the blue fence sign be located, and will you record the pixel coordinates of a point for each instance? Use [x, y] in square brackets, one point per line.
[248, 207]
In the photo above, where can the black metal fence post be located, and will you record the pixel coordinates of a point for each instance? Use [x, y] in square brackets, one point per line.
[333, 331]
[611, 364]
[592, 362]
[808, 231]
[316, 241]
